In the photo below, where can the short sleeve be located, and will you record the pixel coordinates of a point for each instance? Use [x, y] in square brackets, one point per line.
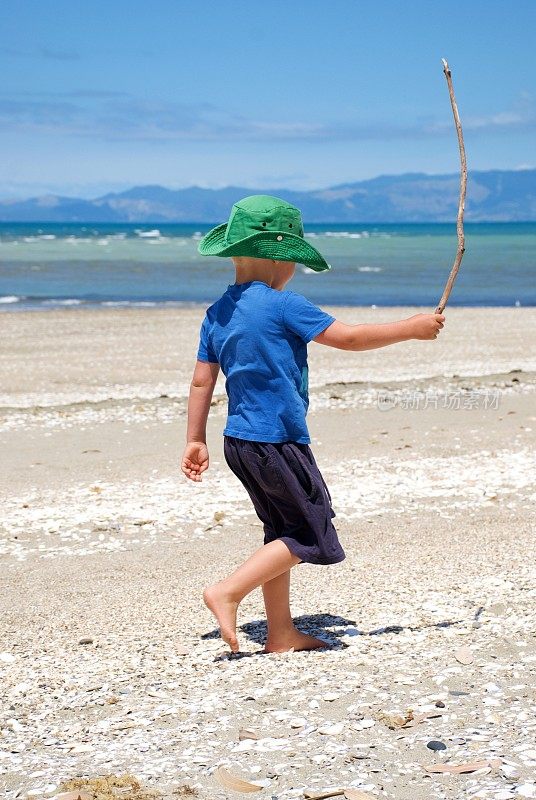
[205, 351]
[303, 318]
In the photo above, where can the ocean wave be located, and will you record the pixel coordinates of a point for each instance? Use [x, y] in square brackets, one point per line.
[152, 234]
[29, 303]
[133, 303]
[69, 301]
[369, 269]
[344, 235]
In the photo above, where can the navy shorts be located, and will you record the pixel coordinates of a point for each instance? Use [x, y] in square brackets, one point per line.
[289, 494]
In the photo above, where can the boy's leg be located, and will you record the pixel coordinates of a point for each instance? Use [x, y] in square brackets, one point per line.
[222, 598]
[282, 634]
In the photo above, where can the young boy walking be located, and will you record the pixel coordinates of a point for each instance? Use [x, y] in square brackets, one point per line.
[258, 332]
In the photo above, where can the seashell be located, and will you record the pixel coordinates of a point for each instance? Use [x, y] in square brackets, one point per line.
[464, 656]
[394, 721]
[356, 794]
[245, 733]
[81, 748]
[235, 783]
[331, 730]
[526, 790]
[298, 722]
[459, 769]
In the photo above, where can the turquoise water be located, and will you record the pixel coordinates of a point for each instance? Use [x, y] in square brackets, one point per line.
[51, 265]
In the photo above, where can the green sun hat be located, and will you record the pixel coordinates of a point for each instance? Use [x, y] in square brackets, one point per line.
[261, 226]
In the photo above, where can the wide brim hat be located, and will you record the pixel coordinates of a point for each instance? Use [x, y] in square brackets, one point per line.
[261, 226]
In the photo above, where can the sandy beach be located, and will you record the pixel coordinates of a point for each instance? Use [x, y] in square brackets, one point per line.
[111, 664]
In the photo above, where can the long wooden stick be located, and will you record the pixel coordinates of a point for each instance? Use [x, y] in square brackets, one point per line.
[463, 188]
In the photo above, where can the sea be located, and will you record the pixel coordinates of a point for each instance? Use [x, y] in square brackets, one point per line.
[47, 266]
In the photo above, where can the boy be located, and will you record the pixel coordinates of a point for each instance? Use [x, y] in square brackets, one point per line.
[258, 333]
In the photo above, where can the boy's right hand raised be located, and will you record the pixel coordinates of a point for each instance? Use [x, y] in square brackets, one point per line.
[425, 326]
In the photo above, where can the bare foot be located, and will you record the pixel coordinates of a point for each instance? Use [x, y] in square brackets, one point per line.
[294, 640]
[224, 609]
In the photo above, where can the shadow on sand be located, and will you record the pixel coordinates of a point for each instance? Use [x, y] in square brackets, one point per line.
[331, 628]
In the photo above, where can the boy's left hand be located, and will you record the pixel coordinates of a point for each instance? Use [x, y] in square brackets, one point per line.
[195, 460]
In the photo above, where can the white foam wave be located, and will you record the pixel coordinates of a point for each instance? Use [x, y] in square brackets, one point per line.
[369, 269]
[131, 303]
[345, 235]
[68, 302]
[10, 298]
[153, 234]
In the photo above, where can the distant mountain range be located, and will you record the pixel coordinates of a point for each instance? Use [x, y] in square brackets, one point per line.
[493, 196]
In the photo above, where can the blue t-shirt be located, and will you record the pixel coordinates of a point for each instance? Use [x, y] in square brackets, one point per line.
[259, 337]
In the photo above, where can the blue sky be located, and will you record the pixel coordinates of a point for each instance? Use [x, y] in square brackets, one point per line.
[100, 96]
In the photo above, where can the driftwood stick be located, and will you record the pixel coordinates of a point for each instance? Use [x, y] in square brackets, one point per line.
[463, 188]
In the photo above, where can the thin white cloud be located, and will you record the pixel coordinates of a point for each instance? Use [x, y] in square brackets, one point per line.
[522, 116]
[117, 116]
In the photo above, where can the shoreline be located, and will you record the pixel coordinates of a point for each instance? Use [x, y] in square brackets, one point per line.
[75, 304]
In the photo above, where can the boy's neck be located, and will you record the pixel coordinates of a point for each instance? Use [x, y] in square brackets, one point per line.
[274, 274]
[239, 279]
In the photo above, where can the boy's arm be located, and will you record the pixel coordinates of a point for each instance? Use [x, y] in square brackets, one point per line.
[195, 457]
[369, 337]
[201, 391]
